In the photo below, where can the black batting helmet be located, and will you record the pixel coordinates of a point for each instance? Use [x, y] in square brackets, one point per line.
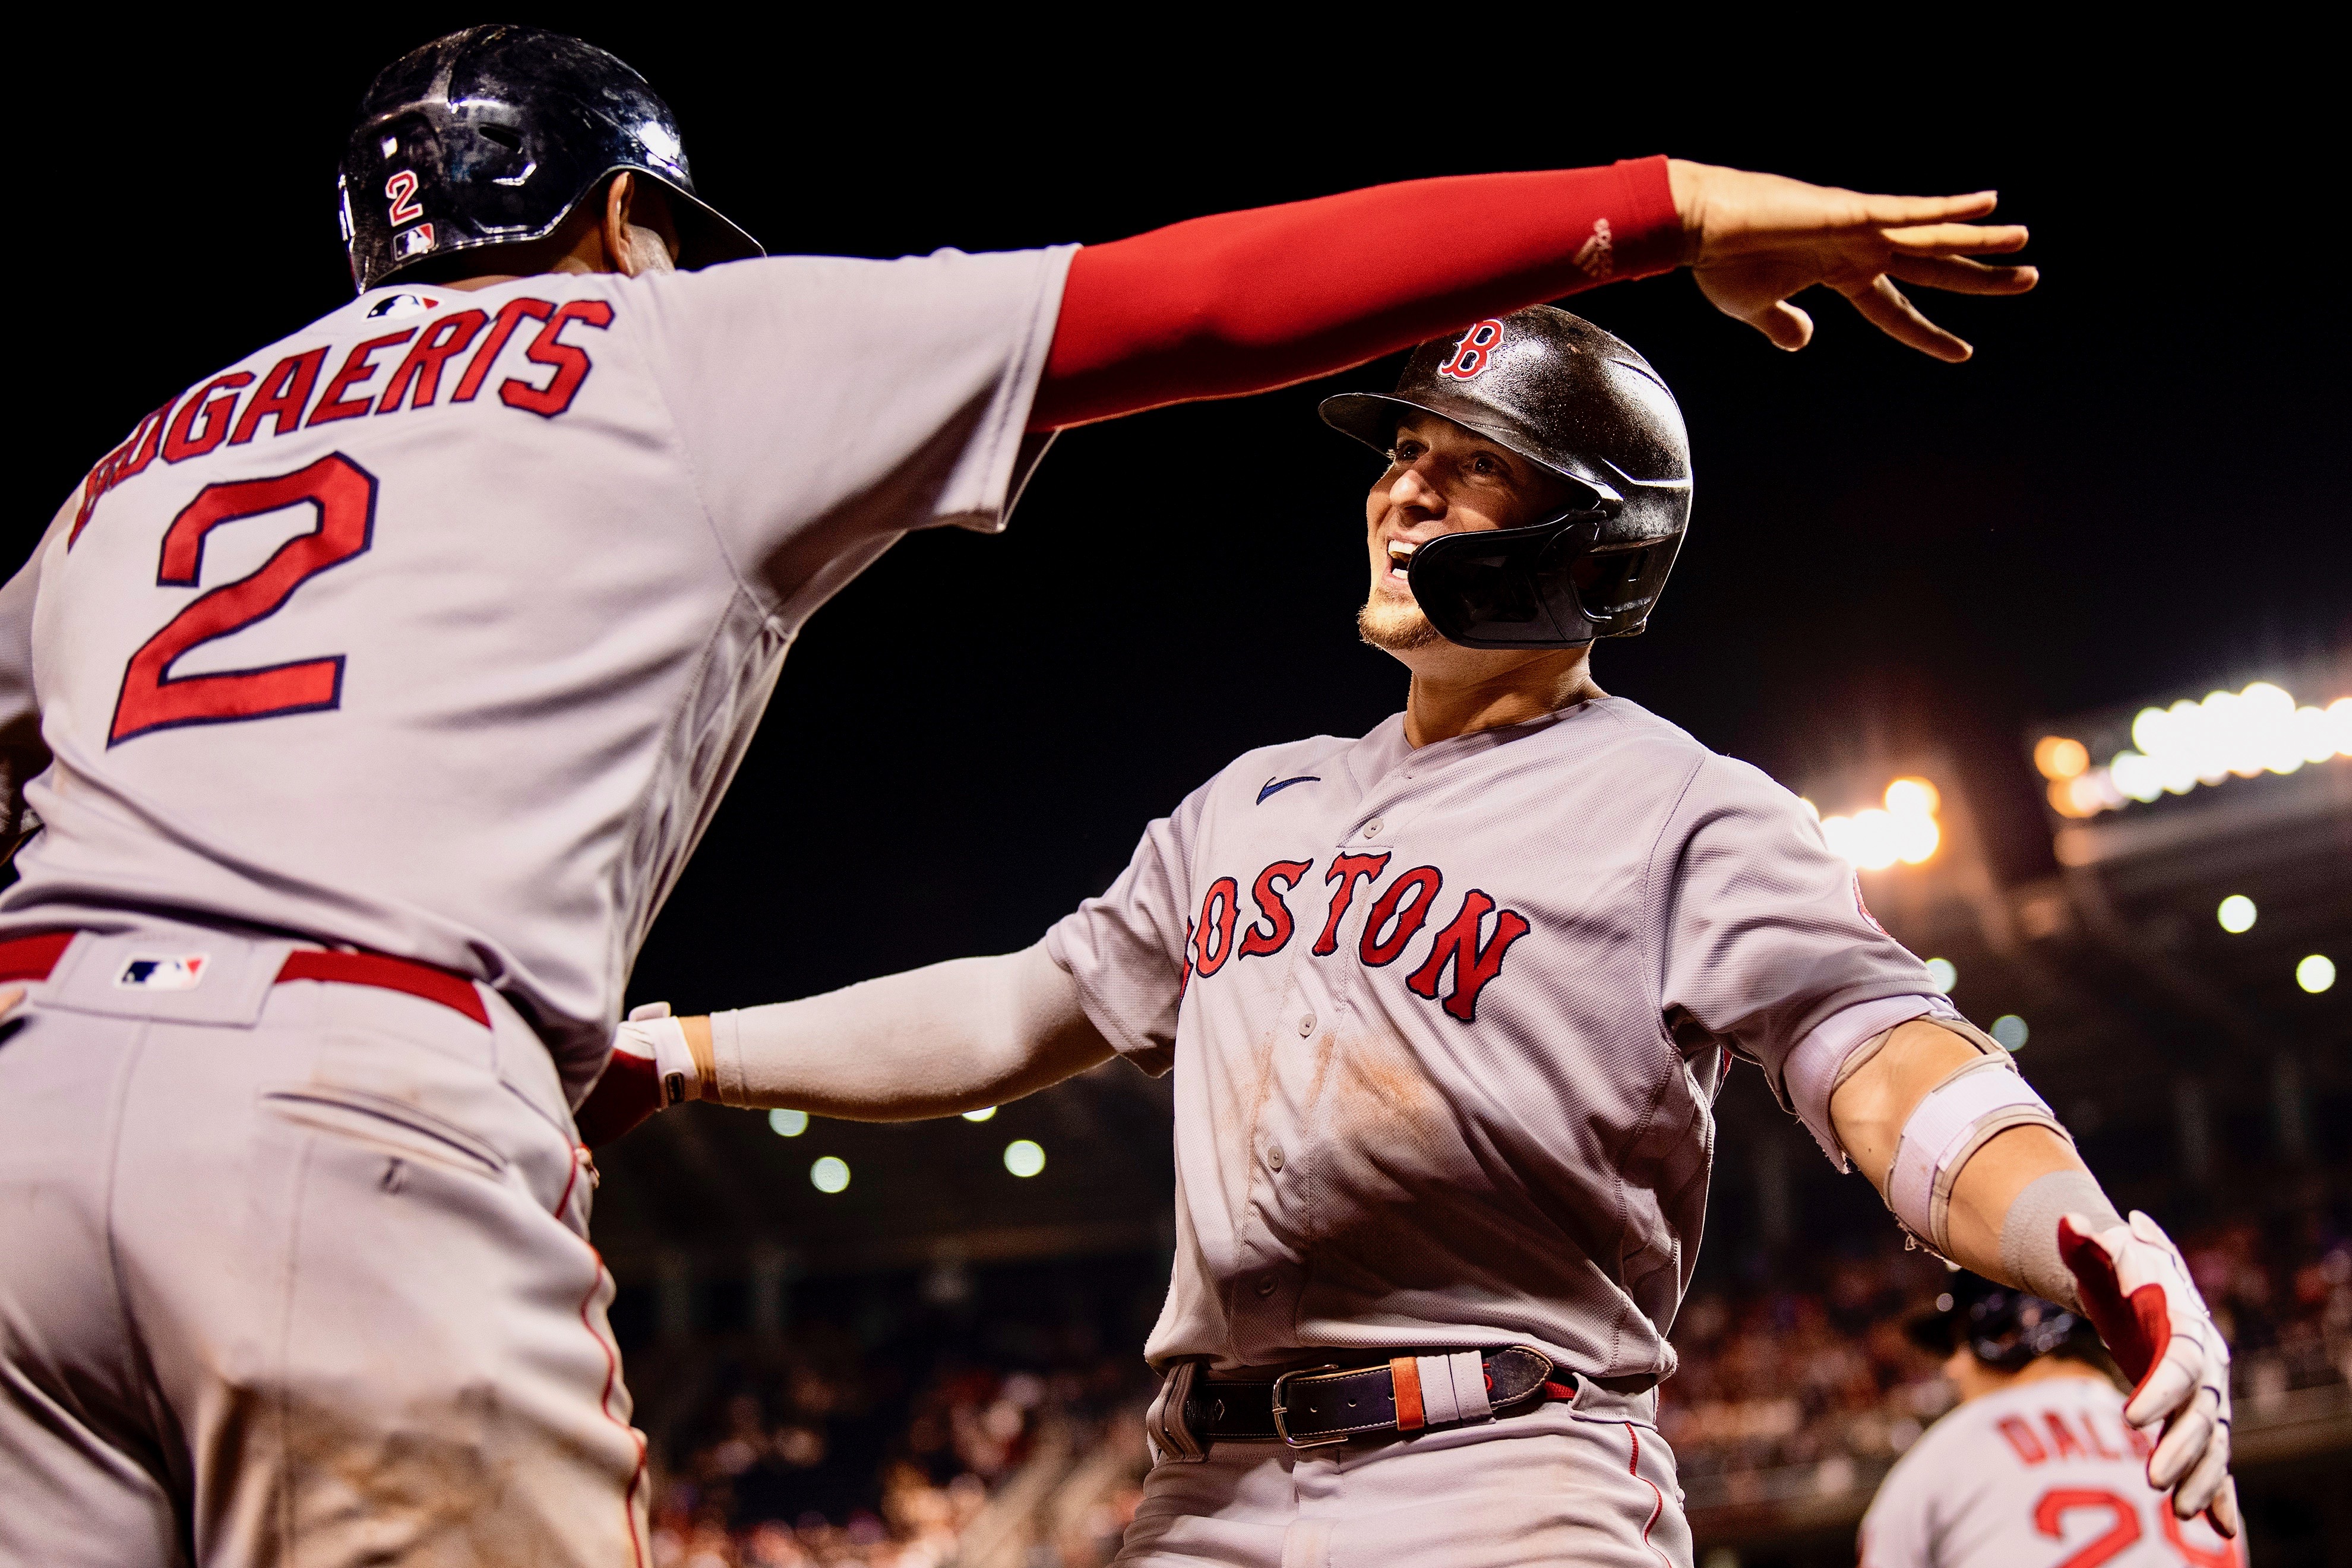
[1561, 392]
[493, 135]
[2005, 1327]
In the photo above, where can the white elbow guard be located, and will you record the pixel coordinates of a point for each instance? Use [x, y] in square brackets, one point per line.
[1949, 1124]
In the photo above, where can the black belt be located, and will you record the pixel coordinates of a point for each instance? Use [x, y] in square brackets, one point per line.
[1322, 1404]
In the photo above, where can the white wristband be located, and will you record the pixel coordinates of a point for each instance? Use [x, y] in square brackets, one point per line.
[1948, 1125]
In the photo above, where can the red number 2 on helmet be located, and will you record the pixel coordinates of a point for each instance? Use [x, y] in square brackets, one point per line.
[402, 189]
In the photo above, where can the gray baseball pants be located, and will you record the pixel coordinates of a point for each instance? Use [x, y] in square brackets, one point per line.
[1588, 1481]
[296, 1274]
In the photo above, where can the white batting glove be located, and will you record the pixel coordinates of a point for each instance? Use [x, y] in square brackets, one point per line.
[650, 1069]
[2137, 1287]
[651, 1032]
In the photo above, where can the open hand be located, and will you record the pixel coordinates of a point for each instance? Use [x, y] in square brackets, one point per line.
[2136, 1289]
[1753, 240]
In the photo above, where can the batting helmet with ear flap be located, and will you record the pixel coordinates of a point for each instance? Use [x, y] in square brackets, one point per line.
[2006, 1328]
[491, 136]
[1562, 394]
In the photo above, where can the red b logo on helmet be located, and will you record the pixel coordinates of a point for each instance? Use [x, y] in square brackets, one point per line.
[1474, 353]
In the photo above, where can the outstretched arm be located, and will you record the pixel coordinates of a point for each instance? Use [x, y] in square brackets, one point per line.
[2022, 1208]
[930, 1042]
[1870, 1110]
[1241, 302]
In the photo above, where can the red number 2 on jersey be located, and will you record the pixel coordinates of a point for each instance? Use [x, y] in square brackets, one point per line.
[152, 698]
[2050, 1514]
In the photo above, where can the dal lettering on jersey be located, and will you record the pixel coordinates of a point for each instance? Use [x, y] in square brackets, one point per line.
[210, 417]
[1399, 912]
[2070, 1438]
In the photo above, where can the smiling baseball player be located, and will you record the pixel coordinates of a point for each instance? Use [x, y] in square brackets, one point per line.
[2037, 1465]
[1448, 1005]
[370, 695]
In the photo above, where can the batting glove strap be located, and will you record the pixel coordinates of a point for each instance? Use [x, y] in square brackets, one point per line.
[650, 1069]
[651, 1032]
[1950, 1123]
[2139, 1295]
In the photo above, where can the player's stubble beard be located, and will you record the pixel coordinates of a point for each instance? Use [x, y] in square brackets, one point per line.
[1395, 626]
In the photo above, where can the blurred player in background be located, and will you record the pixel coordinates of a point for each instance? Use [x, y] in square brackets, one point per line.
[1448, 1004]
[2037, 1465]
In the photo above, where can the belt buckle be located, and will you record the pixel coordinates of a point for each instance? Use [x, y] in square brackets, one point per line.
[1282, 1430]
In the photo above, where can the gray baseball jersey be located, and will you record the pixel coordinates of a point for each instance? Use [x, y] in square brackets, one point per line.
[1447, 1024]
[2043, 1472]
[439, 628]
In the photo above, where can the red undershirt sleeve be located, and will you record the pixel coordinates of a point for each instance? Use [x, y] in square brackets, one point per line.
[1241, 302]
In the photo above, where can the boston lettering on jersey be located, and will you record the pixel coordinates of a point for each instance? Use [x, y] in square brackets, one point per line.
[280, 398]
[1397, 915]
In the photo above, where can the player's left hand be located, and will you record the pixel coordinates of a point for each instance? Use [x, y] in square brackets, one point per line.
[2137, 1287]
[1753, 240]
[651, 1068]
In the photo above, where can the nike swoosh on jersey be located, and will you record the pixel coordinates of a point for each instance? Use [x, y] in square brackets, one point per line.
[1274, 786]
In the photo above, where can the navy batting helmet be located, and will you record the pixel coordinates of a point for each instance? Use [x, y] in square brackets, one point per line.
[491, 136]
[2005, 1327]
[1563, 394]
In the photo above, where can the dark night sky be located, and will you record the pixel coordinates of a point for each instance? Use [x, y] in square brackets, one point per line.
[2136, 491]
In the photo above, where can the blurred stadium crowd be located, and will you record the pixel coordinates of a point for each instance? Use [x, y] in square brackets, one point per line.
[996, 1424]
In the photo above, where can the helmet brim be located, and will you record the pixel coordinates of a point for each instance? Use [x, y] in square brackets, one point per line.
[1372, 417]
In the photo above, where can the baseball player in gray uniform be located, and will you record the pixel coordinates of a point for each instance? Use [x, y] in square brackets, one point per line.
[1448, 1004]
[2037, 1464]
[370, 696]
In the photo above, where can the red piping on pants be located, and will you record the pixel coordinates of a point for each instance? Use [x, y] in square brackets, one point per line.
[1634, 1468]
[604, 1405]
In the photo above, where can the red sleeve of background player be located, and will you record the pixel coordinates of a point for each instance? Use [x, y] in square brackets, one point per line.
[1244, 302]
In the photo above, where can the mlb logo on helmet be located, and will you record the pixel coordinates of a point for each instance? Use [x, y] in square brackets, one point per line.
[182, 972]
[1474, 353]
[412, 242]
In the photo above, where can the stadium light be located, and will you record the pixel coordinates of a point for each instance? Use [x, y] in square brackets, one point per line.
[1941, 971]
[2236, 914]
[2230, 734]
[788, 1123]
[2011, 1031]
[830, 1174]
[1904, 830]
[2316, 974]
[1024, 1158]
[983, 1114]
[2060, 758]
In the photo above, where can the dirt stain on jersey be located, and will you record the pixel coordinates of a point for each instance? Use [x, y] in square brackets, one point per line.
[1381, 1104]
[1389, 1152]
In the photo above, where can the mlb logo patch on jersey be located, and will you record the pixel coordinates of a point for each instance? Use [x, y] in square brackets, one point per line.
[403, 304]
[146, 972]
